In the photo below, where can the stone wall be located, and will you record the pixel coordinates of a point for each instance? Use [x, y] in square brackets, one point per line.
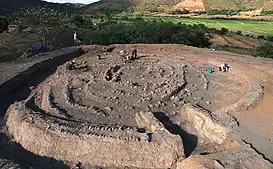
[101, 146]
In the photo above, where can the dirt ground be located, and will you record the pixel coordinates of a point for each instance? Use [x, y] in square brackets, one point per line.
[162, 79]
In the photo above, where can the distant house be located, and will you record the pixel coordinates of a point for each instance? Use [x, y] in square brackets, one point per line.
[14, 29]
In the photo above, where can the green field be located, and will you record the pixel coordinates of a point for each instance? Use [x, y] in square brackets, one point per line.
[254, 27]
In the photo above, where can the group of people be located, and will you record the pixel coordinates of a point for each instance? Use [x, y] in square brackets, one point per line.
[224, 67]
[125, 57]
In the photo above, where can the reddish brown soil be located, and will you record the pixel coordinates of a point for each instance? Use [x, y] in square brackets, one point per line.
[108, 91]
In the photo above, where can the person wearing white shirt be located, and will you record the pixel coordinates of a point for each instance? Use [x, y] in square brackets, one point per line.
[76, 39]
[224, 67]
[123, 54]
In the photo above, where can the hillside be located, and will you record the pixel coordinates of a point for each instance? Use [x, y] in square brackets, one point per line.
[108, 5]
[166, 5]
[15, 5]
[137, 5]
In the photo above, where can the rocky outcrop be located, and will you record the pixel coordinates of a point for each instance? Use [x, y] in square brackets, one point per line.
[199, 162]
[148, 121]
[204, 122]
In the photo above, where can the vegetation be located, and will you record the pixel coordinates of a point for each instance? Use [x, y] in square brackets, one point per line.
[45, 24]
[233, 4]
[140, 31]
[265, 50]
[261, 28]
[229, 12]
[223, 31]
[229, 7]
[236, 49]
[267, 13]
[10, 6]
[177, 11]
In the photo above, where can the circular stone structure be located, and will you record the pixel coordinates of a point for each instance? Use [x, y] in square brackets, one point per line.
[103, 112]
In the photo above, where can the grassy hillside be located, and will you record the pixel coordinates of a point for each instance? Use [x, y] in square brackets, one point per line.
[108, 5]
[166, 5]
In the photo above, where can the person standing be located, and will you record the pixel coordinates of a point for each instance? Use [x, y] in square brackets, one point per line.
[123, 55]
[76, 39]
[134, 54]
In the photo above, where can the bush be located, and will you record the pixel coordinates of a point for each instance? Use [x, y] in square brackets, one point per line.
[269, 38]
[147, 32]
[223, 12]
[265, 50]
[238, 33]
[260, 37]
[184, 11]
[223, 31]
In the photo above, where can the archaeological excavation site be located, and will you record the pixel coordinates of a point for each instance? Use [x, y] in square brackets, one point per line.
[161, 110]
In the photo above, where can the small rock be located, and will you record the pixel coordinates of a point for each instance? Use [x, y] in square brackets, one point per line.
[119, 116]
[218, 164]
[108, 108]
[151, 106]
[208, 102]
[174, 105]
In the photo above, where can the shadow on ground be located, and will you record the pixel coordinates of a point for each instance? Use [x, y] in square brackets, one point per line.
[14, 151]
[189, 141]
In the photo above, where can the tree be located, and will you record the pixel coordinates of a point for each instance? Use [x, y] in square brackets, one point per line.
[45, 24]
[223, 31]
[79, 21]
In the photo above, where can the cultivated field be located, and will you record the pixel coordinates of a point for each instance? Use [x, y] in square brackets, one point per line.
[254, 27]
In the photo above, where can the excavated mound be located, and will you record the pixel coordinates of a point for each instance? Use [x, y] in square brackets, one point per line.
[102, 112]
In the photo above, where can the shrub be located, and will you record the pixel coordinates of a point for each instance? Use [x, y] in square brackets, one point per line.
[223, 31]
[144, 32]
[265, 50]
[269, 38]
[238, 33]
[223, 12]
[260, 37]
[178, 11]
